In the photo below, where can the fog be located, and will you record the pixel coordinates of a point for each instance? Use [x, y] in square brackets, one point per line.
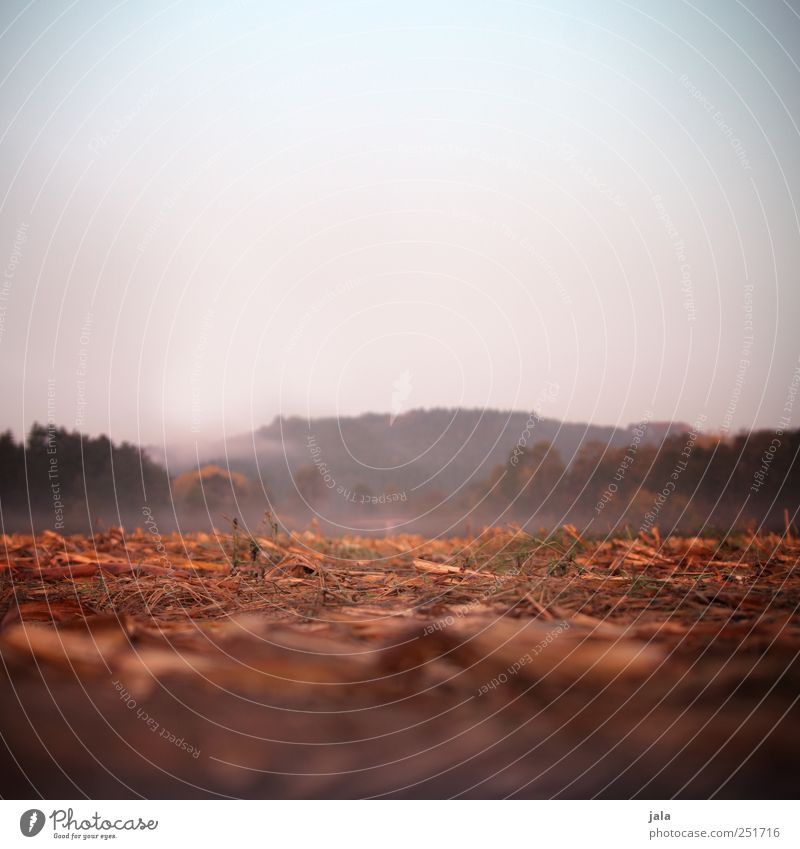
[214, 216]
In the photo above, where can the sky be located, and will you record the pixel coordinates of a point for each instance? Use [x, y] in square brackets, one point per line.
[213, 214]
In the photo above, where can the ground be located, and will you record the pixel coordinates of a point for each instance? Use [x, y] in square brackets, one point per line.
[300, 666]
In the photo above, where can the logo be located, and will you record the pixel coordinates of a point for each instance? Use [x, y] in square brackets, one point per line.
[31, 822]
[401, 392]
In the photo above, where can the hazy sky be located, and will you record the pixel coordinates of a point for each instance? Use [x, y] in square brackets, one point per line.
[213, 214]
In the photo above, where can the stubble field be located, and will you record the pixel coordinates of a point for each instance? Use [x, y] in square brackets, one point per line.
[288, 666]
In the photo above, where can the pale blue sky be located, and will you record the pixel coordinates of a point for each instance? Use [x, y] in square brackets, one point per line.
[262, 208]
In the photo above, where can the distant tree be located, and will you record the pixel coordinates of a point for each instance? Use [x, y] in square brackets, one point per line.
[211, 488]
[310, 484]
[532, 476]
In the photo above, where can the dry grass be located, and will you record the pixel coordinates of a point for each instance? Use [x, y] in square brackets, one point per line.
[457, 655]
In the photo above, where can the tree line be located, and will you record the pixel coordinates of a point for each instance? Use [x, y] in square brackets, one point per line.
[66, 481]
[689, 481]
[686, 481]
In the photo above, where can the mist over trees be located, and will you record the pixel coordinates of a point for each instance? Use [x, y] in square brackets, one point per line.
[378, 475]
[687, 482]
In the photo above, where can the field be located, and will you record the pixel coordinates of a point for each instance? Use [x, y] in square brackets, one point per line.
[300, 666]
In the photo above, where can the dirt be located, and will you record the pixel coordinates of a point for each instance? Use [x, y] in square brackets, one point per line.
[224, 665]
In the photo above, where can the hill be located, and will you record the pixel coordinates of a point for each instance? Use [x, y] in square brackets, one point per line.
[438, 452]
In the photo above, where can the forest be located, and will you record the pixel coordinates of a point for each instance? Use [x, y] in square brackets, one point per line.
[674, 480]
